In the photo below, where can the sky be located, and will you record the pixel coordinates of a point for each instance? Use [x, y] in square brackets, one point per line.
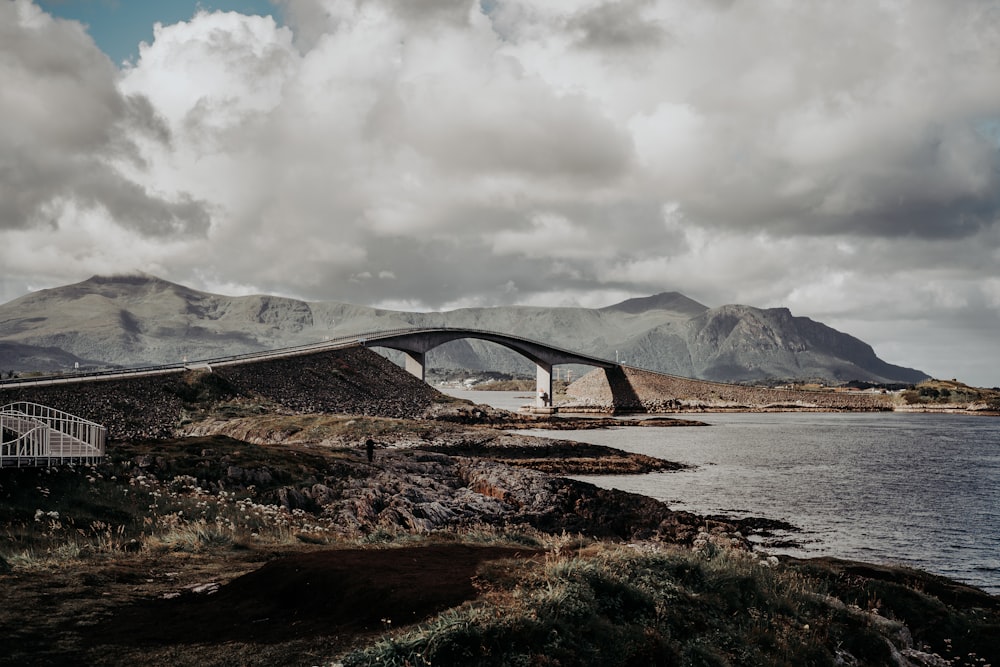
[840, 159]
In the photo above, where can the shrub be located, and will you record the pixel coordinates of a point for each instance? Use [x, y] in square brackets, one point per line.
[615, 606]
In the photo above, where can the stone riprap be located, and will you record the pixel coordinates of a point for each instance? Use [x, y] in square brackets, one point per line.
[349, 381]
[636, 390]
[141, 407]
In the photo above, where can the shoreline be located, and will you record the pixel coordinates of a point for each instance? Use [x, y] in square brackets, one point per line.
[270, 471]
[298, 514]
[573, 409]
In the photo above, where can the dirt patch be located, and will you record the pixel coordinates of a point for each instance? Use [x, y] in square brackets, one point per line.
[311, 594]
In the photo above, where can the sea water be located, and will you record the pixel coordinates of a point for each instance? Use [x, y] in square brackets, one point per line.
[921, 490]
[915, 489]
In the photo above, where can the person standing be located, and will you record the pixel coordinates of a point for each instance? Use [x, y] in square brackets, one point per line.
[370, 449]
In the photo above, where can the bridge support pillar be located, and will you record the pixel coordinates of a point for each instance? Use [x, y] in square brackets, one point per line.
[415, 363]
[543, 384]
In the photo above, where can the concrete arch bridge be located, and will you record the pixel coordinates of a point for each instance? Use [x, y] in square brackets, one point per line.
[416, 343]
[413, 342]
[37, 435]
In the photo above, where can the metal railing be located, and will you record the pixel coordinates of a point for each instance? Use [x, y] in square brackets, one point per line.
[33, 435]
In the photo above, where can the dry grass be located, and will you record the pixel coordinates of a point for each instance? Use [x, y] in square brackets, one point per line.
[951, 392]
[598, 603]
[81, 546]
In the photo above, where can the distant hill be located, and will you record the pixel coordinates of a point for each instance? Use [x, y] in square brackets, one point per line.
[674, 302]
[141, 319]
[38, 358]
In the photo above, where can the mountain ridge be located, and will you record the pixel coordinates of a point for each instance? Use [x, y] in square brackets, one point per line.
[141, 319]
[672, 301]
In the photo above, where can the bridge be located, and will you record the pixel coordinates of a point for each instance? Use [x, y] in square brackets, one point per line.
[416, 343]
[36, 435]
[413, 342]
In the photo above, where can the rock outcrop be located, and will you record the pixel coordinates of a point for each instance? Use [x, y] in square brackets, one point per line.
[634, 390]
[410, 489]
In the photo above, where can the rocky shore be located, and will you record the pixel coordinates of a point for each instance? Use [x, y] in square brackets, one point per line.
[635, 390]
[454, 480]
[223, 551]
[249, 540]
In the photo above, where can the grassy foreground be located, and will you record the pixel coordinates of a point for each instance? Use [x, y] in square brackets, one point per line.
[201, 563]
[624, 605]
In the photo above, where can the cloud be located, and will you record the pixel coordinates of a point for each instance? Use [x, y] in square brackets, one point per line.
[618, 26]
[841, 159]
[69, 134]
[549, 236]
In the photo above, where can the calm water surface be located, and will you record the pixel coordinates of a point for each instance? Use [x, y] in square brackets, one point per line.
[507, 400]
[920, 490]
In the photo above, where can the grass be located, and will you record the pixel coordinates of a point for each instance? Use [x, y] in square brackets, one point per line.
[146, 514]
[936, 392]
[189, 495]
[613, 605]
[316, 428]
[353, 429]
[209, 502]
[586, 602]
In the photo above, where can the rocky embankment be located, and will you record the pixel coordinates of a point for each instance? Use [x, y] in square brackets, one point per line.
[634, 390]
[349, 381]
[423, 491]
[218, 560]
[416, 490]
[141, 407]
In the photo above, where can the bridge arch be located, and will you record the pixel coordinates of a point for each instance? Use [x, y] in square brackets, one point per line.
[416, 343]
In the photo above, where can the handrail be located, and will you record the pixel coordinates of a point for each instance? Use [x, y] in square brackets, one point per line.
[43, 412]
[31, 443]
[49, 435]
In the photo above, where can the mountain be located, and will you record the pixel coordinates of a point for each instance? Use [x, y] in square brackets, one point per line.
[141, 319]
[40, 358]
[674, 302]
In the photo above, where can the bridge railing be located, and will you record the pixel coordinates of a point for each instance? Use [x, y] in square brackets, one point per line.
[90, 375]
[22, 437]
[44, 432]
[177, 367]
[332, 343]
